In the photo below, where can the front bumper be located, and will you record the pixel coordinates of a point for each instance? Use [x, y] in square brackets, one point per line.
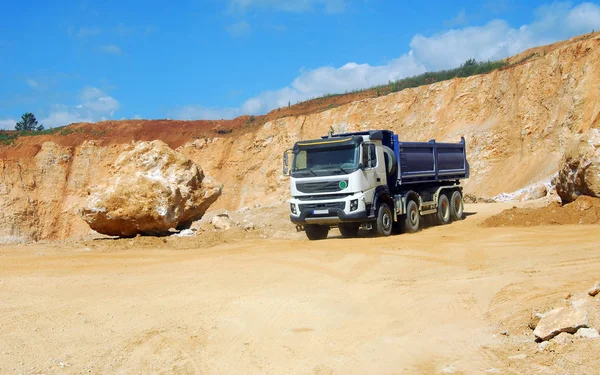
[329, 212]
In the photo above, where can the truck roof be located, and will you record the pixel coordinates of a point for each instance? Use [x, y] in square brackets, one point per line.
[373, 134]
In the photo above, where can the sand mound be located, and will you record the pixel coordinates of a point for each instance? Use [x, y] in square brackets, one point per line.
[585, 210]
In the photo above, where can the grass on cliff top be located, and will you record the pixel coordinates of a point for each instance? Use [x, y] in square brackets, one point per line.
[470, 68]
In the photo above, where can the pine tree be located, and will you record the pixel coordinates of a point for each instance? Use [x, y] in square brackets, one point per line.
[28, 122]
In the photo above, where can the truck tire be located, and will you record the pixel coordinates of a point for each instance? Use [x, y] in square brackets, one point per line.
[384, 222]
[456, 205]
[443, 213]
[316, 232]
[349, 229]
[412, 219]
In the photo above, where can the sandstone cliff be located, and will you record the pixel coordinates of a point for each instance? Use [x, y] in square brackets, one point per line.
[516, 122]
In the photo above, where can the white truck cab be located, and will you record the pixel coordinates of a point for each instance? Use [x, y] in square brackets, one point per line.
[351, 180]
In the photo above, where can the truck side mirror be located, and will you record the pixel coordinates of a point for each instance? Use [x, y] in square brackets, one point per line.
[286, 163]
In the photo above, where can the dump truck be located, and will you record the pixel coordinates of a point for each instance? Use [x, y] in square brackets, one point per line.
[371, 179]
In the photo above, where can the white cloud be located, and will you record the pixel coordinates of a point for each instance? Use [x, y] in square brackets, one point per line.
[239, 29]
[94, 105]
[296, 6]
[62, 115]
[95, 100]
[110, 49]
[584, 18]
[8, 124]
[32, 83]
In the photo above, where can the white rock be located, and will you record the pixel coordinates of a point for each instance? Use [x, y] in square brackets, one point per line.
[588, 333]
[185, 233]
[221, 222]
[595, 289]
[560, 320]
[563, 338]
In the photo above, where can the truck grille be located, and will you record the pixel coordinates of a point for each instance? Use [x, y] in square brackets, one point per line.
[317, 206]
[319, 187]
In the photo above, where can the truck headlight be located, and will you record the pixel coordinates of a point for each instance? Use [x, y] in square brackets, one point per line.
[293, 208]
[353, 204]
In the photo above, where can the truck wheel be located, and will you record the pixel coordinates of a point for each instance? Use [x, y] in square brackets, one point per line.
[316, 232]
[456, 205]
[443, 213]
[349, 229]
[412, 218]
[383, 225]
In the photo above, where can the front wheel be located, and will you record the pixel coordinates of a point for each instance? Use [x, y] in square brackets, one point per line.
[383, 224]
[316, 232]
[349, 229]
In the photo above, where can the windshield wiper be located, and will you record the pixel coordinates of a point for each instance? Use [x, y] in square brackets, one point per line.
[309, 169]
[343, 170]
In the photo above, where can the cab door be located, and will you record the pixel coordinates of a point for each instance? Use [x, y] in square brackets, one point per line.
[370, 171]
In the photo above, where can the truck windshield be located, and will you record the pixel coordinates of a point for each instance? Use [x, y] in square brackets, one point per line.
[325, 161]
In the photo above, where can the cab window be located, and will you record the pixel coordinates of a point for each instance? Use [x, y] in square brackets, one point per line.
[369, 156]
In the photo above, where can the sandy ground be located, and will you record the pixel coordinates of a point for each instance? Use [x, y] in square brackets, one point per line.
[431, 302]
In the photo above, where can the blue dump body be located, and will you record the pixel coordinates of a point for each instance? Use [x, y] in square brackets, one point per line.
[422, 162]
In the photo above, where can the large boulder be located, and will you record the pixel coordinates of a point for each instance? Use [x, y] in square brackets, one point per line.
[579, 168]
[151, 189]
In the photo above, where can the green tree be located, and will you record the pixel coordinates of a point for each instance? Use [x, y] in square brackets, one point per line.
[28, 122]
[470, 62]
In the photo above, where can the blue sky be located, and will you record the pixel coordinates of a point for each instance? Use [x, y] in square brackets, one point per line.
[91, 60]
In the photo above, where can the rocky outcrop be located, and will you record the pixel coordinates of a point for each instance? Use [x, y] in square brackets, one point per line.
[579, 170]
[151, 189]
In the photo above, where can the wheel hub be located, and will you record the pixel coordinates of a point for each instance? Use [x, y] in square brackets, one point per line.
[386, 221]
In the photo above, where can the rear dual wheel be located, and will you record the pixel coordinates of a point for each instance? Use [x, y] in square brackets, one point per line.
[456, 205]
[443, 215]
[450, 209]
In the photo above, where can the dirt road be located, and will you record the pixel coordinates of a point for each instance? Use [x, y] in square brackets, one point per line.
[431, 302]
